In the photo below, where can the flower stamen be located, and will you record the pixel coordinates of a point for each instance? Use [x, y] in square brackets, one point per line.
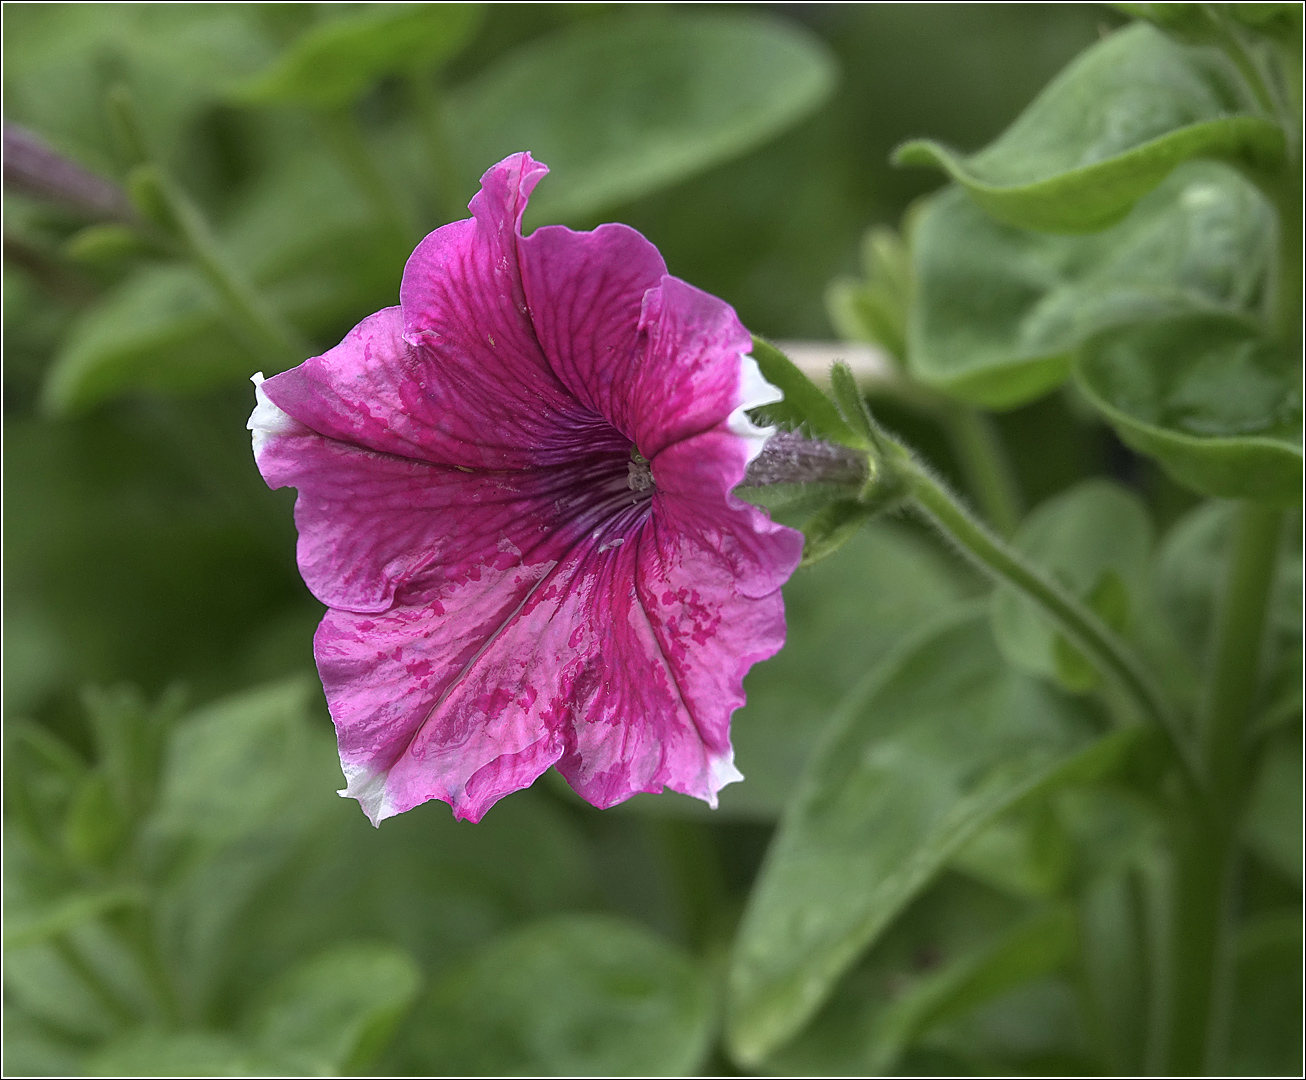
[639, 474]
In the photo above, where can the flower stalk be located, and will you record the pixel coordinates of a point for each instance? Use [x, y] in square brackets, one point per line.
[1111, 656]
[890, 474]
[1206, 849]
[165, 204]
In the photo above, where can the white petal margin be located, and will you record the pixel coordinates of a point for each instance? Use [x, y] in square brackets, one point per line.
[720, 772]
[369, 788]
[266, 420]
[754, 390]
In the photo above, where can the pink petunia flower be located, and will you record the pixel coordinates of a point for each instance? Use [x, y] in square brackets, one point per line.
[515, 500]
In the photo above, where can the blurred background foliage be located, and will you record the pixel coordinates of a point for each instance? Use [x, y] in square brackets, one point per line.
[185, 894]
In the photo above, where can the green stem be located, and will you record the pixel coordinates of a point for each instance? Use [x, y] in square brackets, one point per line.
[695, 871]
[976, 442]
[1240, 632]
[1206, 848]
[172, 210]
[1107, 652]
[988, 470]
[360, 161]
[435, 133]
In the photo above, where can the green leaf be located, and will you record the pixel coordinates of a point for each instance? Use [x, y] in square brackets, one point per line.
[129, 738]
[939, 741]
[42, 775]
[1281, 21]
[1096, 538]
[108, 244]
[1201, 22]
[31, 1050]
[874, 308]
[851, 402]
[335, 1012]
[1274, 817]
[176, 60]
[67, 913]
[183, 1053]
[1215, 402]
[247, 782]
[832, 527]
[95, 828]
[235, 766]
[618, 108]
[581, 995]
[424, 883]
[303, 236]
[999, 311]
[1036, 948]
[40, 982]
[1107, 130]
[1025, 853]
[805, 404]
[1191, 566]
[333, 62]
[1189, 23]
[949, 961]
[1265, 1025]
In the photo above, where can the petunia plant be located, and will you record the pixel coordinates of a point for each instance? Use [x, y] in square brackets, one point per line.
[711, 709]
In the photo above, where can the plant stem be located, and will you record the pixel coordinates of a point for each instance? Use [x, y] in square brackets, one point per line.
[171, 209]
[430, 113]
[988, 470]
[1240, 632]
[991, 554]
[1206, 835]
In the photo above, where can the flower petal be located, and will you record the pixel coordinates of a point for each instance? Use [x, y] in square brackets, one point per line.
[453, 376]
[586, 291]
[622, 664]
[464, 306]
[371, 524]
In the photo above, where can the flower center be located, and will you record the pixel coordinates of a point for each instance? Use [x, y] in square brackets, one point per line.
[639, 475]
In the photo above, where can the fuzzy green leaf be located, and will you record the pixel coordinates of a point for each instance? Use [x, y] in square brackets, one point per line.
[805, 404]
[939, 741]
[1215, 402]
[580, 995]
[335, 1012]
[1107, 130]
[999, 311]
[334, 61]
[1096, 539]
[620, 108]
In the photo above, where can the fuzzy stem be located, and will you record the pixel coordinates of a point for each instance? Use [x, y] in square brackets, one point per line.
[991, 554]
[1240, 633]
[988, 470]
[1206, 837]
[180, 217]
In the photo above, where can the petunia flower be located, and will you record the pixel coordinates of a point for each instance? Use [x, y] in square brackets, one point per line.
[515, 501]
